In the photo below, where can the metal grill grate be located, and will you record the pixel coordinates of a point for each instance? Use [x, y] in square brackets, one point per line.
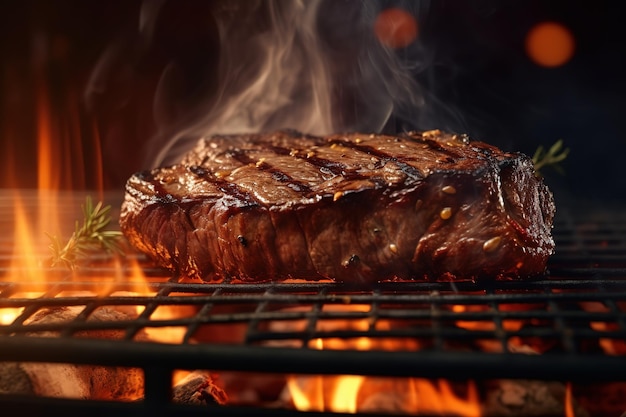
[575, 317]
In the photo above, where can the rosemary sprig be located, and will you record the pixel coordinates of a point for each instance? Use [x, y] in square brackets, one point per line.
[551, 157]
[89, 236]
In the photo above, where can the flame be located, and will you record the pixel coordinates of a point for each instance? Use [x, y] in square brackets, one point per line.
[338, 393]
[48, 176]
[610, 346]
[63, 155]
[569, 405]
[25, 264]
[8, 315]
[357, 393]
[36, 210]
[162, 334]
[169, 334]
[30, 265]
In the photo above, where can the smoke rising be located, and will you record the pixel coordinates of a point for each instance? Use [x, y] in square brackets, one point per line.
[313, 66]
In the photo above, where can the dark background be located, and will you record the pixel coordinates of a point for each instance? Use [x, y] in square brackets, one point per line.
[473, 70]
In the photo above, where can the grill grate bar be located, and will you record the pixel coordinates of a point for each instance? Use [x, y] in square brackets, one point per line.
[312, 316]
[29, 310]
[574, 279]
[620, 317]
[283, 293]
[150, 307]
[442, 333]
[596, 280]
[499, 331]
[258, 312]
[374, 313]
[575, 316]
[312, 320]
[201, 317]
[67, 331]
[561, 328]
[437, 330]
[427, 364]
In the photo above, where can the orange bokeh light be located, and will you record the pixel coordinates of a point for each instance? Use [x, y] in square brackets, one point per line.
[395, 28]
[550, 44]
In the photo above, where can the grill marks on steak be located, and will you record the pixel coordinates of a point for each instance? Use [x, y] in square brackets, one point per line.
[344, 207]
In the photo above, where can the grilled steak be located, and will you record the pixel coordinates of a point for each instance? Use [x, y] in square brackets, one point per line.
[345, 207]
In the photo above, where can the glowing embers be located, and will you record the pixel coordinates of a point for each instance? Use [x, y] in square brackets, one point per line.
[357, 393]
[72, 316]
[516, 324]
[64, 380]
[24, 252]
[9, 314]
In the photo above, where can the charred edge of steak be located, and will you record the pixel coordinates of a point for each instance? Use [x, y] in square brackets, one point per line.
[353, 207]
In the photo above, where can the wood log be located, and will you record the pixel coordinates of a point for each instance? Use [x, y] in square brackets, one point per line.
[513, 398]
[96, 382]
[198, 388]
[61, 380]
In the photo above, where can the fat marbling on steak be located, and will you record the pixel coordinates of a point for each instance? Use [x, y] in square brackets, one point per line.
[346, 207]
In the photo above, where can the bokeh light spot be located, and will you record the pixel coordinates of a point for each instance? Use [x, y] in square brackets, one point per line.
[395, 28]
[550, 44]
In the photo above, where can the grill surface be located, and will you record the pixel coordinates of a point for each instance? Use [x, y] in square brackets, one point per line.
[575, 316]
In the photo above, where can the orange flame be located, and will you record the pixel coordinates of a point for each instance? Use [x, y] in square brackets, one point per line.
[59, 157]
[356, 393]
[47, 176]
[569, 406]
[61, 164]
[25, 263]
[66, 163]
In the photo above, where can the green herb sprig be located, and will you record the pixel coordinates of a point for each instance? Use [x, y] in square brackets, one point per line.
[551, 157]
[88, 237]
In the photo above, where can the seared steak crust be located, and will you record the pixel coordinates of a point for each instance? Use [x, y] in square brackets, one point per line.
[345, 207]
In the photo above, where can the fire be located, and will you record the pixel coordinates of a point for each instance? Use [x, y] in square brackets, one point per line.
[415, 396]
[52, 211]
[357, 393]
[25, 260]
[36, 210]
[63, 162]
[47, 175]
[8, 315]
[569, 405]
[25, 263]
[29, 266]
[141, 287]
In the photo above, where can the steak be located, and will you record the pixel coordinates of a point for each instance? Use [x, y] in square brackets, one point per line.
[345, 207]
